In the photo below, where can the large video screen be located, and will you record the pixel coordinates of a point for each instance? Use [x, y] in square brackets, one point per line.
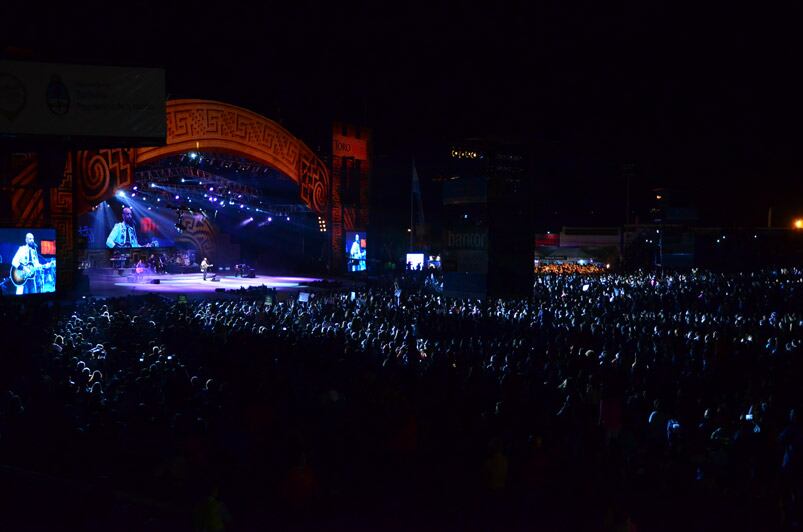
[28, 261]
[356, 245]
[128, 223]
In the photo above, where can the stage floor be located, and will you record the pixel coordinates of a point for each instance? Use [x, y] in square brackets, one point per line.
[107, 284]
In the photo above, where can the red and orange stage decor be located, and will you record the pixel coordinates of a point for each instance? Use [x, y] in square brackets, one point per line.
[351, 177]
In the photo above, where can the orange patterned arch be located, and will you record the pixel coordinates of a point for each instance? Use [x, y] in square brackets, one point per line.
[217, 126]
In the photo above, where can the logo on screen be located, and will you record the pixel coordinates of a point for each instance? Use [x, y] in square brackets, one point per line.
[58, 97]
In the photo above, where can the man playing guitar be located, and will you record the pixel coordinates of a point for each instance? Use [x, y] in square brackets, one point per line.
[205, 266]
[24, 267]
[123, 234]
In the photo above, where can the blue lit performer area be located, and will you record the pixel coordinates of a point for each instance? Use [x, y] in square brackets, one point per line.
[245, 218]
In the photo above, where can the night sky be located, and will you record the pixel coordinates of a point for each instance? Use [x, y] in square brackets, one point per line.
[706, 99]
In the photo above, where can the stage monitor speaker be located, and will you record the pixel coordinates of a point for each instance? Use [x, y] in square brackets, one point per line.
[155, 281]
[220, 289]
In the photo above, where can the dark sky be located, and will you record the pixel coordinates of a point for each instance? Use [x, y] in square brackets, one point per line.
[707, 99]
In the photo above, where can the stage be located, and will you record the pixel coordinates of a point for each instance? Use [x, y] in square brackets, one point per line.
[108, 282]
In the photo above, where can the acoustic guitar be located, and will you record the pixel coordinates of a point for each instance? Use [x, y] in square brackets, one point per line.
[19, 276]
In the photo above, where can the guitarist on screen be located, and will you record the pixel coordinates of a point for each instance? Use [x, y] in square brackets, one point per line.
[123, 234]
[24, 267]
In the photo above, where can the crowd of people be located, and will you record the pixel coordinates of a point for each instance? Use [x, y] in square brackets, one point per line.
[603, 402]
[566, 268]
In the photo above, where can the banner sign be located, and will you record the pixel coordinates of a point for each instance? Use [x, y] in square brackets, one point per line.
[349, 146]
[55, 99]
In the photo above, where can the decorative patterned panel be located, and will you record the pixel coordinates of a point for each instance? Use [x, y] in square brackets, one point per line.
[100, 173]
[216, 126]
[27, 200]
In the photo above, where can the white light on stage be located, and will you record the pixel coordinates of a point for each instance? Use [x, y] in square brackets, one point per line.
[135, 187]
[211, 189]
[288, 218]
[133, 194]
[270, 219]
[120, 193]
[241, 205]
[153, 185]
[177, 196]
[193, 155]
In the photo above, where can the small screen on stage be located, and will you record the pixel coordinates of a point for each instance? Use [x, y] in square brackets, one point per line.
[28, 259]
[356, 245]
[128, 221]
[415, 261]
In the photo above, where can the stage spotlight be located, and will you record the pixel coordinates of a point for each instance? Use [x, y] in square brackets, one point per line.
[270, 218]
[153, 185]
[121, 193]
[288, 218]
[177, 197]
[182, 179]
[241, 205]
[211, 189]
[193, 155]
[133, 194]
[135, 187]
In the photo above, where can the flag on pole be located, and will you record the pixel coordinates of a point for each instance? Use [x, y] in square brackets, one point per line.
[416, 205]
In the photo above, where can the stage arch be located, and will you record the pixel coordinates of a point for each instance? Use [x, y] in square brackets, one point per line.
[208, 126]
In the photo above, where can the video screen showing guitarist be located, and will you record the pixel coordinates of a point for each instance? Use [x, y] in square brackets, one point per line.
[27, 272]
[123, 234]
